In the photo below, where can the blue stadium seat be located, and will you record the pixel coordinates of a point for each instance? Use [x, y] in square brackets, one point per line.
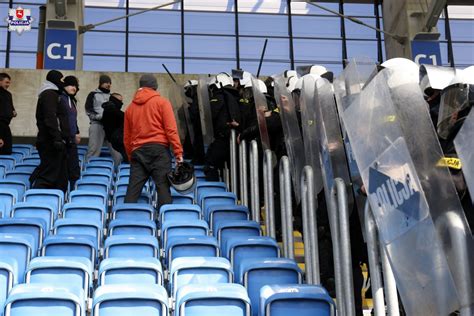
[26, 167]
[124, 167]
[8, 198]
[209, 187]
[106, 160]
[229, 229]
[91, 185]
[41, 299]
[121, 185]
[196, 246]
[179, 198]
[133, 211]
[130, 271]
[79, 210]
[199, 270]
[17, 185]
[3, 170]
[131, 247]
[19, 247]
[22, 176]
[254, 273]
[238, 248]
[52, 197]
[132, 227]
[18, 155]
[183, 228]
[67, 272]
[65, 245]
[172, 212]
[307, 300]
[33, 210]
[8, 161]
[23, 148]
[130, 299]
[99, 176]
[217, 213]
[8, 278]
[32, 160]
[145, 197]
[99, 166]
[89, 197]
[123, 176]
[212, 300]
[80, 226]
[216, 198]
[35, 227]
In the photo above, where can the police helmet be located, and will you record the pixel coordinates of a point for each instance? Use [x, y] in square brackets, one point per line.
[182, 177]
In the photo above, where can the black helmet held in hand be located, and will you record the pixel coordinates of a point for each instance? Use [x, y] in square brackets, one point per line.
[182, 177]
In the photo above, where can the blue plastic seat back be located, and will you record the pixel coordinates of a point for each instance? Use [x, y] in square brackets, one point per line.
[89, 197]
[124, 167]
[183, 228]
[16, 175]
[131, 271]
[231, 229]
[196, 246]
[8, 198]
[105, 160]
[18, 155]
[26, 167]
[216, 198]
[308, 300]
[32, 160]
[19, 247]
[17, 185]
[100, 167]
[8, 161]
[254, 273]
[172, 212]
[182, 199]
[88, 185]
[80, 226]
[219, 213]
[66, 245]
[80, 210]
[51, 197]
[126, 300]
[40, 299]
[209, 187]
[238, 248]
[8, 277]
[3, 170]
[34, 227]
[33, 210]
[131, 247]
[133, 211]
[25, 149]
[119, 198]
[132, 227]
[97, 176]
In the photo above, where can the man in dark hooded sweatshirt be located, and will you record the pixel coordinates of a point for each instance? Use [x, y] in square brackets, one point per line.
[7, 112]
[53, 136]
[112, 120]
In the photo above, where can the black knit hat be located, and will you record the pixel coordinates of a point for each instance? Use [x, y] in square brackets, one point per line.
[148, 81]
[104, 79]
[55, 77]
[71, 81]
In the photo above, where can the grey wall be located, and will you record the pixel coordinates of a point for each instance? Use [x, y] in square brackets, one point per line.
[26, 82]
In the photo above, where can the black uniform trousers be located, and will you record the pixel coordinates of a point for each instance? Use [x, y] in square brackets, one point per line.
[52, 172]
[6, 136]
[150, 160]
[73, 166]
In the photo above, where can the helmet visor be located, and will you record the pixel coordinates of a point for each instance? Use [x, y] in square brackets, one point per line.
[454, 99]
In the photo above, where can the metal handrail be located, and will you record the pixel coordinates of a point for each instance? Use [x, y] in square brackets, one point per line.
[243, 173]
[233, 161]
[254, 182]
[268, 193]
[286, 208]
[389, 284]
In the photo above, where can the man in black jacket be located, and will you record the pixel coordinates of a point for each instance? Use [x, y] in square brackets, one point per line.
[7, 112]
[53, 136]
[112, 120]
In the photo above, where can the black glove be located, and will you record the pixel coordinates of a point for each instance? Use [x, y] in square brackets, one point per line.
[59, 145]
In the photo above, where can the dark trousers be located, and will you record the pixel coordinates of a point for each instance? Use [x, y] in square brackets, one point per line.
[52, 172]
[73, 167]
[116, 141]
[217, 154]
[6, 136]
[150, 160]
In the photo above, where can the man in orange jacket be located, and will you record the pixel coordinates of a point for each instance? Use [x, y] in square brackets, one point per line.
[149, 131]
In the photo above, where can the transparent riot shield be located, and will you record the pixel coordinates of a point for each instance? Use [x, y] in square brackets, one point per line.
[177, 103]
[261, 107]
[291, 130]
[435, 77]
[454, 99]
[418, 213]
[309, 124]
[205, 111]
[464, 143]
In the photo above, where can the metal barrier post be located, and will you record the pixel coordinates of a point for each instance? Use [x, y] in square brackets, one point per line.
[286, 208]
[254, 182]
[268, 193]
[374, 263]
[233, 161]
[346, 260]
[310, 226]
[244, 193]
[390, 285]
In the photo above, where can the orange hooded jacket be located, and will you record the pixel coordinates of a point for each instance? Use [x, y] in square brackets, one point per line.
[149, 119]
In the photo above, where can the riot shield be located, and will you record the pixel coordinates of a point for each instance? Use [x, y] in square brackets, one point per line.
[309, 124]
[464, 144]
[435, 77]
[178, 104]
[454, 99]
[261, 107]
[291, 130]
[418, 213]
[205, 111]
